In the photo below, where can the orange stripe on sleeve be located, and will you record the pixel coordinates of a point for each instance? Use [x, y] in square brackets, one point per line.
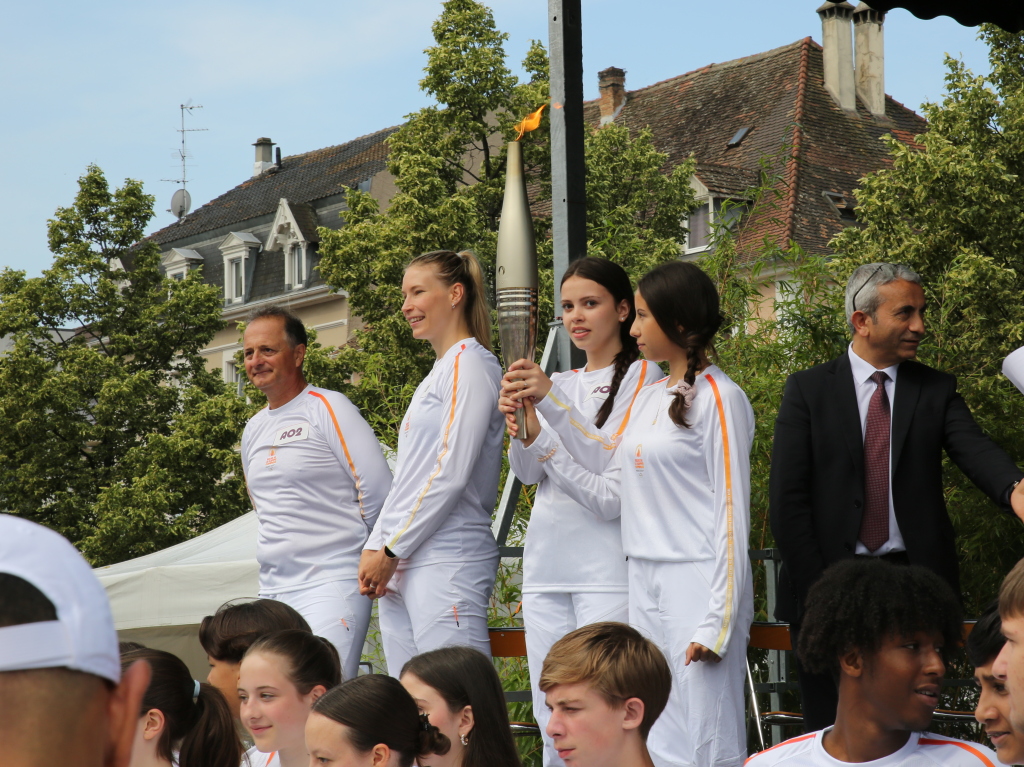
[780, 745]
[440, 457]
[344, 447]
[731, 577]
[582, 428]
[629, 410]
[960, 744]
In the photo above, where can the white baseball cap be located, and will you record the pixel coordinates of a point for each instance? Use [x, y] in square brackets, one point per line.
[83, 637]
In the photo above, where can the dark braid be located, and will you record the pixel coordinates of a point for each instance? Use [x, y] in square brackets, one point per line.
[684, 302]
[626, 357]
[614, 279]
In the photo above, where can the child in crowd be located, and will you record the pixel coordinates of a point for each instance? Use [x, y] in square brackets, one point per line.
[605, 686]
[228, 633]
[884, 631]
[282, 675]
[459, 691]
[993, 711]
[371, 721]
[182, 723]
[1009, 664]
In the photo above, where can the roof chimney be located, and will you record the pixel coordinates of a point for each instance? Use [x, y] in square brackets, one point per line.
[264, 156]
[870, 53]
[612, 84]
[837, 41]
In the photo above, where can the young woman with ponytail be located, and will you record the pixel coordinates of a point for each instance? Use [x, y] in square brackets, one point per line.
[371, 721]
[574, 571]
[282, 675]
[431, 558]
[183, 722]
[682, 468]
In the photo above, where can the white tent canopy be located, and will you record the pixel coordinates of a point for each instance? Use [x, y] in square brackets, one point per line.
[160, 599]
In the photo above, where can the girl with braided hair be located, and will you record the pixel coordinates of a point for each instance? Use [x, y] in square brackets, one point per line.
[566, 587]
[682, 471]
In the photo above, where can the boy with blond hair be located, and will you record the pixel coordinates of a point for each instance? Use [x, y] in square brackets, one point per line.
[1009, 664]
[605, 685]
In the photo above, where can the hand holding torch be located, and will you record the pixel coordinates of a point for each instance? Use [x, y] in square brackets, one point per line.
[516, 273]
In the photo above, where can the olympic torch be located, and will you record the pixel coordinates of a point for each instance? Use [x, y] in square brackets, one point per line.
[516, 278]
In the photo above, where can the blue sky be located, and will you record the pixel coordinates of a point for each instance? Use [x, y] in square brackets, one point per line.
[101, 82]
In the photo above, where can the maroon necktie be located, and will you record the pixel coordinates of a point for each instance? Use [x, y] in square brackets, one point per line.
[874, 527]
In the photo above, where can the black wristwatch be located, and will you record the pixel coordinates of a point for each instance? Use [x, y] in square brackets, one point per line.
[389, 553]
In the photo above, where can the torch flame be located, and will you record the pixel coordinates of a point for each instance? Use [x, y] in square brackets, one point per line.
[529, 123]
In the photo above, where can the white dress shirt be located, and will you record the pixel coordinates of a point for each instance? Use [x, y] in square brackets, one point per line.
[865, 387]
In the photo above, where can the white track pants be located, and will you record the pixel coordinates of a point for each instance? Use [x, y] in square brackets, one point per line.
[703, 724]
[548, 617]
[337, 612]
[433, 606]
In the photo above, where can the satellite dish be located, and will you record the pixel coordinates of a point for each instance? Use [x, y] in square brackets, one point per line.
[181, 203]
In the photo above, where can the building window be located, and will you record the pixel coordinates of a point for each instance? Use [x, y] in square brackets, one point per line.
[235, 279]
[702, 221]
[179, 276]
[234, 374]
[296, 267]
[699, 225]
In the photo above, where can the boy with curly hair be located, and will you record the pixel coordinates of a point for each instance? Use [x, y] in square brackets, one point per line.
[883, 631]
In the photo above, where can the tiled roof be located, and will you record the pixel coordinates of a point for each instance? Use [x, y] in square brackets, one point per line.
[305, 217]
[724, 179]
[302, 178]
[780, 96]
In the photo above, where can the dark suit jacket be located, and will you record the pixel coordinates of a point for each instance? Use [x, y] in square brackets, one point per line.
[817, 476]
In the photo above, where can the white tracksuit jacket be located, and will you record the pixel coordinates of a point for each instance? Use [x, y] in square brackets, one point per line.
[317, 479]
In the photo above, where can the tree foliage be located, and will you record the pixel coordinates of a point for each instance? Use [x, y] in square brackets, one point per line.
[118, 437]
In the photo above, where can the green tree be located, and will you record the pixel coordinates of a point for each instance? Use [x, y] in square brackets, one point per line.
[118, 437]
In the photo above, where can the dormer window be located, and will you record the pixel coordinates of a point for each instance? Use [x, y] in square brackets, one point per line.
[293, 234]
[295, 266]
[239, 251]
[178, 262]
[236, 279]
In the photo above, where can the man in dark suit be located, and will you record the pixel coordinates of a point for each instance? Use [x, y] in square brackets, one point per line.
[853, 475]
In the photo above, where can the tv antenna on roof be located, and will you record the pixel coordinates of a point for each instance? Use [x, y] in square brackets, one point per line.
[181, 201]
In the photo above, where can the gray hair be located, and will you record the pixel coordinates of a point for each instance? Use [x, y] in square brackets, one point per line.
[294, 330]
[862, 287]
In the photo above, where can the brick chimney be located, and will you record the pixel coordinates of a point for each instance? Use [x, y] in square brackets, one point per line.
[612, 84]
[264, 156]
[870, 57]
[837, 42]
